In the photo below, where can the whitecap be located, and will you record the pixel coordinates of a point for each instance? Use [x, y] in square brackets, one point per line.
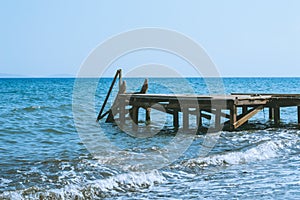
[263, 151]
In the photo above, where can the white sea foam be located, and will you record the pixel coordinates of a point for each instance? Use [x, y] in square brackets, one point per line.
[263, 151]
[134, 181]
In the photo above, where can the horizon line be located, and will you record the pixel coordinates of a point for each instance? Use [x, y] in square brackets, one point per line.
[74, 77]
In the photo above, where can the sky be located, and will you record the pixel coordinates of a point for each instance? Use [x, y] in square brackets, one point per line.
[243, 38]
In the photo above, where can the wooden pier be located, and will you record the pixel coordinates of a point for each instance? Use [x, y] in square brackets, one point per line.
[202, 106]
[229, 111]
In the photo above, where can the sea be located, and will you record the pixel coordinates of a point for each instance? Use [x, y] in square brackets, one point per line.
[46, 153]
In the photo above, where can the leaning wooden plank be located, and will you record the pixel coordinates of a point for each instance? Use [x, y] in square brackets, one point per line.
[108, 94]
[247, 116]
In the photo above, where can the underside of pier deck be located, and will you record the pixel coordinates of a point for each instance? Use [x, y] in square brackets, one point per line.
[222, 109]
[201, 106]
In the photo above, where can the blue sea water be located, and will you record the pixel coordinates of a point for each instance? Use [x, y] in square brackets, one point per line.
[44, 157]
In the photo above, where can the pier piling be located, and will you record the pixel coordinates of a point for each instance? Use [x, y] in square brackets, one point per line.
[271, 113]
[233, 117]
[185, 113]
[244, 111]
[277, 115]
[175, 119]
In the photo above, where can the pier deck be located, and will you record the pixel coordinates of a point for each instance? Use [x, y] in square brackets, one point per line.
[205, 106]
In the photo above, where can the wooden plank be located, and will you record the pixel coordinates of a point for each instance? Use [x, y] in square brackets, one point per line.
[240, 98]
[253, 102]
[286, 102]
[247, 116]
[268, 94]
[190, 100]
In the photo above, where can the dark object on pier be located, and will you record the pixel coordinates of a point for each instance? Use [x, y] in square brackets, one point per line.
[144, 88]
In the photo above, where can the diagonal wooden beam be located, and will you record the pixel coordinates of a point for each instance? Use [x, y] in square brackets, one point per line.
[245, 117]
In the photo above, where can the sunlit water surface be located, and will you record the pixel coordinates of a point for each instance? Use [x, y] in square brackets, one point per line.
[43, 157]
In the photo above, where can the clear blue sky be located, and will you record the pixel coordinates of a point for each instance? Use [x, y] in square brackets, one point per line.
[244, 38]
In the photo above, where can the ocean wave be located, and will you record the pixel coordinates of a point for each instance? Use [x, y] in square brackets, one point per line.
[109, 187]
[262, 151]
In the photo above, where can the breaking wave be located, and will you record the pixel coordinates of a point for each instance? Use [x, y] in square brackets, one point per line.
[262, 151]
[109, 187]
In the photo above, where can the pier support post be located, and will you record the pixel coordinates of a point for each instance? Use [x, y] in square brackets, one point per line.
[233, 117]
[135, 117]
[218, 119]
[175, 119]
[199, 118]
[185, 114]
[271, 113]
[245, 110]
[277, 115]
[148, 118]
